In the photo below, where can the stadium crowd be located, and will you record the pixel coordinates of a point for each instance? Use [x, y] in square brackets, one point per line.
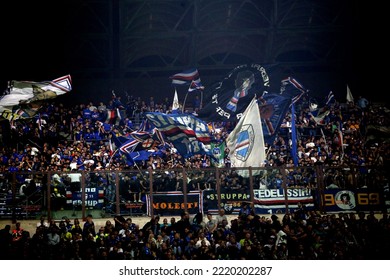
[60, 136]
[301, 235]
[79, 138]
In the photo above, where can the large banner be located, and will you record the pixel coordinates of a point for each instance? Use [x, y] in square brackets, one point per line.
[226, 100]
[172, 203]
[357, 200]
[231, 201]
[272, 201]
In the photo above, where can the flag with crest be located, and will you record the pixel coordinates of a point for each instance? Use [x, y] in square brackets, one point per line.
[246, 141]
[227, 99]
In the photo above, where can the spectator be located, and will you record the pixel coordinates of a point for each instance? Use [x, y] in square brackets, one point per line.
[221, 216]
[362, 103]
[53, 242]
[89, 227]
[17, 232]
[5, 242]
[211, 223]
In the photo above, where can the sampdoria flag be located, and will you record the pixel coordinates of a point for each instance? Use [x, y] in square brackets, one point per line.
[24, 98]
[187, 133]
[227, 99]
[185, 77]
[330, 99]
[292, 88]
[246, 141]
[349, 95]
[113, 116]
[196, 85]
[175, 104]
[274, 106]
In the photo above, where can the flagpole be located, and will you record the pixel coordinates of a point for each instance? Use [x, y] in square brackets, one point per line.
[109, 162]
[135, 164]
[185, 98]
[201, 99]
[139, 170]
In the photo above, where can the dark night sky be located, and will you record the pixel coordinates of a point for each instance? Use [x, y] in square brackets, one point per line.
[33, 34]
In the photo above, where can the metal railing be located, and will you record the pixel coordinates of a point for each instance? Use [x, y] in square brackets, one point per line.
[139, 192]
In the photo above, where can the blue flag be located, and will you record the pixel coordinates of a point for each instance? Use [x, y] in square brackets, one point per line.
[290, 87]
[273, 107]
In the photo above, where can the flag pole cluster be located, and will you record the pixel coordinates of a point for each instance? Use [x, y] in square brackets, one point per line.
[188, 77]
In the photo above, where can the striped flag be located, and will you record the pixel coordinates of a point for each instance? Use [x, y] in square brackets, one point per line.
[185, 77]
[186, 132]
[113, 116]
[196, 85]
[154, 132]
[129, 146]
[330, 98]
[293, 89]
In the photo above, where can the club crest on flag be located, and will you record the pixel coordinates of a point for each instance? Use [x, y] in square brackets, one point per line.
[244, 143]
[216, 151]
[147, 143]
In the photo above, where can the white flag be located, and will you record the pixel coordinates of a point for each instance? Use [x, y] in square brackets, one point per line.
[349, 95]
[175, 104]
[246, 141]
